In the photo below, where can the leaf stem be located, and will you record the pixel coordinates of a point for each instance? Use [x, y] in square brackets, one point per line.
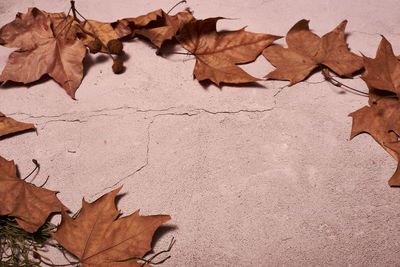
[45, 182]
[177, 4]
[150, 261]
[329, 78]
[37, 166]
[69, 24]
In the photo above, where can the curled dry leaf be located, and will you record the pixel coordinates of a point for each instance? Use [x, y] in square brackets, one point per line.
[217, 53]
[166, 29]
[105, 32]
[382, 121]
[134, 24]
[383, 72]
[157, 26]
[41, 51]
[307, 51]
[30, 204]
[9, 125]
[99, 238]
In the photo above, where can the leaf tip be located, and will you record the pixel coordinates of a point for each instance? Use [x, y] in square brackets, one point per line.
[301, 25]
[343, 24]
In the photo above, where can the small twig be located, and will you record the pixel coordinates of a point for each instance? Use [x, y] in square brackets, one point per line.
[64, 264]
[63, 18]
[182, 53]
[73, 9]
[150, 261]
[65, 255]
[80, 15]
[37, 252]
[177, 4]
[69, 24]
[37, 166]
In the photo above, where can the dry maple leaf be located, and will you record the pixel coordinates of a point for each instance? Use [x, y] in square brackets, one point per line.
[41, 52]
[99, 238]
[382, 121]
[157, 25]
[9, 125]
[307, 51]
[30, 204]
[217, 53]
[383, 72]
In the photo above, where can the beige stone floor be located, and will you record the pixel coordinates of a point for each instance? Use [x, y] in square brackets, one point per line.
[251, 175]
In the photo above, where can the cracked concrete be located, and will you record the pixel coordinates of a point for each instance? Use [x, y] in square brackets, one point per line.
[260, 175]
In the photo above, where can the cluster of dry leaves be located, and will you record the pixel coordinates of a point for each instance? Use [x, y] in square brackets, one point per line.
[56, 44]
[307, 51]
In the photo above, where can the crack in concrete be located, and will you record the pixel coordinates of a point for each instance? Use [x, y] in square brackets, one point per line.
[160, 112]
[366, 33]
[280, 89]
[136, 110]
[103, 112]
[237, 111]
[190, 113]
[60, 120]
[137, 170]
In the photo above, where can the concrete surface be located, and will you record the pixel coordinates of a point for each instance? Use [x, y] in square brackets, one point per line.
[251, 175]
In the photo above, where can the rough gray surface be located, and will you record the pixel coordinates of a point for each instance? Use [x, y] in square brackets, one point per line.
[252, 176]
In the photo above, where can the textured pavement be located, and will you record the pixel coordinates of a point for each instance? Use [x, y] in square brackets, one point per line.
[260, 175]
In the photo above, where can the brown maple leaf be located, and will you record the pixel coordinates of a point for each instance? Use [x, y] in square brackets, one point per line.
[30, 205]
[307, 51]
[9, 125]
[383, 72]
[382, 121]
[218, 53]
[41, 51]
[157, 25]
[99, 238]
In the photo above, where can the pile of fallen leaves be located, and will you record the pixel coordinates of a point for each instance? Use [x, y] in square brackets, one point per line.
[55, 44]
